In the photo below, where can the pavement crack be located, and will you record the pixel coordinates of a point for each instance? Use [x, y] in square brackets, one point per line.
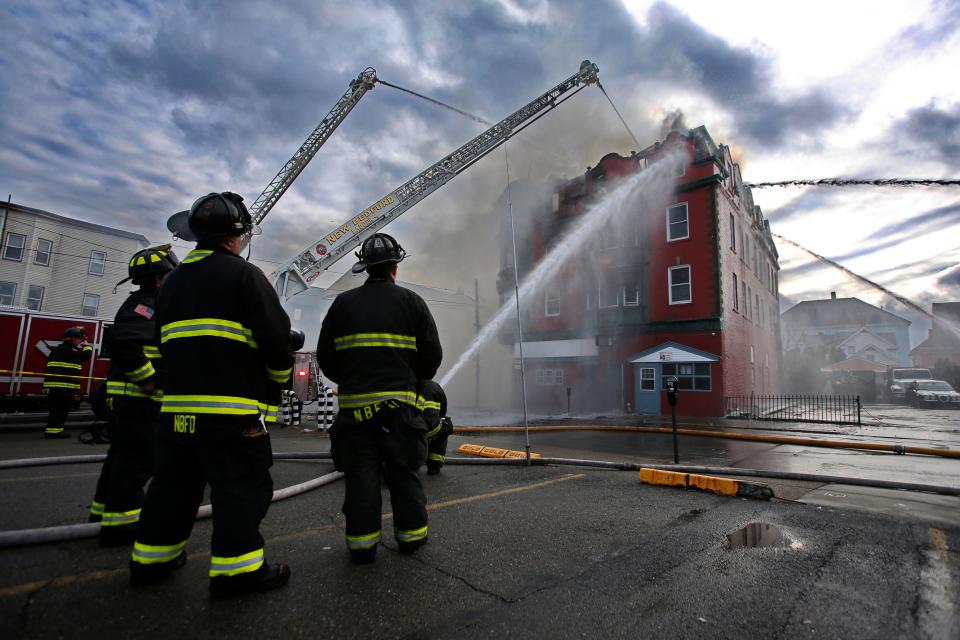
[467, 583]
[24, 613]
[802, 597]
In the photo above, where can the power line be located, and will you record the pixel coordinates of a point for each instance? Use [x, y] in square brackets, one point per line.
[848, 182]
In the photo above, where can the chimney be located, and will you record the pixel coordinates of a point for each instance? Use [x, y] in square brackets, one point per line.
[833, 295]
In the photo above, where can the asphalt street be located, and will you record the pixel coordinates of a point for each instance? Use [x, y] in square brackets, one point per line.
[558, 551]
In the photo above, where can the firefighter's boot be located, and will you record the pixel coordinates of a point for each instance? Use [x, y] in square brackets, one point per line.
[263, 579]
[144, 574]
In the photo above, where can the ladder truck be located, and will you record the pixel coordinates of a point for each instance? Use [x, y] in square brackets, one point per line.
[295, 275]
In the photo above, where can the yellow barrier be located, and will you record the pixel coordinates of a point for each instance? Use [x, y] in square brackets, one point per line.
[492, 452]
[713, 484]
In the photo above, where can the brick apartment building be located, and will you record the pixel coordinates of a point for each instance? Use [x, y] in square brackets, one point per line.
[692, 294]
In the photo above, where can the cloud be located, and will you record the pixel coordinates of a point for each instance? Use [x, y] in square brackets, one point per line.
[935, 130]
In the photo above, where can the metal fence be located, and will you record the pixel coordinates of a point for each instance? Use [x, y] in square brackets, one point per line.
[795, 408]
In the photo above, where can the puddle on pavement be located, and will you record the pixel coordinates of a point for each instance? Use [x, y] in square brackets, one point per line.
[760, 534]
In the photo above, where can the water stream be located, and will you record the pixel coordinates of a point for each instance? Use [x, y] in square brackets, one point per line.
[654, 183]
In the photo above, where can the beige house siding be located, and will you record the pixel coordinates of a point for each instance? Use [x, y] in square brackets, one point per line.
[68, 275]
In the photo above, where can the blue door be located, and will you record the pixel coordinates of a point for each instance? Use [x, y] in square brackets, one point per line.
[647, 388]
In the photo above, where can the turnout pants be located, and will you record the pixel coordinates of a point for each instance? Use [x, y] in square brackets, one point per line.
[437, 443]
[237, 468]
[392, 444]
[129, 464]
[325, 410]
[59, 403]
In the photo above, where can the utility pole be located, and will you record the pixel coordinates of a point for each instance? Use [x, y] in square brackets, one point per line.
[476, 358]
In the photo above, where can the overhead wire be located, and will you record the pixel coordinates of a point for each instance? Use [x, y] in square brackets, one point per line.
[849, 182]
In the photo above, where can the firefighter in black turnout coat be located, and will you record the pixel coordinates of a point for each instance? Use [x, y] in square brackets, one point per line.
[439, 425]
[133, 396]
[376, 342]
[62, 380]
[225, 342]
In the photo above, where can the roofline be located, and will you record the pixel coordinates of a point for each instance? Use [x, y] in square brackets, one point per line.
[83, 224]
[899, 319]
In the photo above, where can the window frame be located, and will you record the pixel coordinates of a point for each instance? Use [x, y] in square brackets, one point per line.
[673, 369]
[686, 221]
[547, 297]
[733, 233]
[736, 294]
[43, 291]
[83, 305]
[38, 253]
[670, 284]
[645, 378]
[7, 246]
[103, 263]
[636, 298]
[600, 298]
[549, 375]
[13, 294]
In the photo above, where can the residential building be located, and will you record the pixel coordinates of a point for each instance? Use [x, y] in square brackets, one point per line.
[684, 289]
[53, 263]
[824, 339]
[940, 352]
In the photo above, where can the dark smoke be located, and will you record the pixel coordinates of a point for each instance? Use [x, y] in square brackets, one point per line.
[673, 121]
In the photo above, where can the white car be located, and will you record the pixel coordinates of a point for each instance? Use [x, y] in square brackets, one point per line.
[934, 393]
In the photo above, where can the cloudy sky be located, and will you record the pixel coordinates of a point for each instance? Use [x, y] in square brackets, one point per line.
[123, 112]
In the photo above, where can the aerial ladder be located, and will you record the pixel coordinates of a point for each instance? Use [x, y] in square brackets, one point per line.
[358, 87]
[296, 164]
[295, 275]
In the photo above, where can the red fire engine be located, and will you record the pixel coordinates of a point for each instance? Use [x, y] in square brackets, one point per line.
[26, 338]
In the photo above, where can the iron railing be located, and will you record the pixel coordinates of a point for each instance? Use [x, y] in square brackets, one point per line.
[795, 408]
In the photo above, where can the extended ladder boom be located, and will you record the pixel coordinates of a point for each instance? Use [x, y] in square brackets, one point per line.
[296, 274]
[285, 177]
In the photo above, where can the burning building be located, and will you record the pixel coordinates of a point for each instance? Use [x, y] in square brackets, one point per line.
[684, 289]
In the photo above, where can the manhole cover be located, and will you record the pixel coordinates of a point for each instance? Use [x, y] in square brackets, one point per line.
[759, 534]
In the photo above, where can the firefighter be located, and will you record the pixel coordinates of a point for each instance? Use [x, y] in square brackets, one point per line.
[439, 425]
[376, 342]
[325, 409]
[61, 382]
[225, 342]
[133, 396]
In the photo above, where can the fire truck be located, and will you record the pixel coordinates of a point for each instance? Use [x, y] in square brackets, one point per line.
[26, 339]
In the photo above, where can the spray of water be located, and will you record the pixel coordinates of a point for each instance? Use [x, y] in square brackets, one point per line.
[658, 175]
[945, 323]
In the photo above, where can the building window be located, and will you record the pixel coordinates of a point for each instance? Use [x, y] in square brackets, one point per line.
[746, 303]
[44, 251]
[549, 376]
[13, 247]
[91, 302]
[736, 293]
[551, 303]
[733, 234]
[608, 296]
[631, 296]
[98, 262]
[34, 297]
[648, 379]
[677, 222]
[756, 308]
[8, 293]
[751, 354]
[681, 168]
[691, 376]
[679, 278]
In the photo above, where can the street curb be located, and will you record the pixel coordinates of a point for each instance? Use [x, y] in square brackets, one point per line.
[492, 452]
[713, 484]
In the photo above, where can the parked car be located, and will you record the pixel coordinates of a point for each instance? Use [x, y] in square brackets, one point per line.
[933, 393]
[900, 379]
